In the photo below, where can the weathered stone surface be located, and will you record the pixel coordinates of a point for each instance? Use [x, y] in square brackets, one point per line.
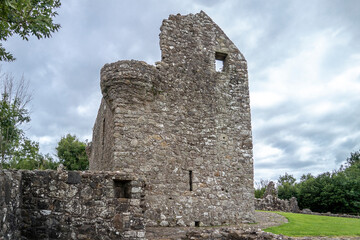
[10, 209]
[271, 202]
[73, 177]
[270, 190]
[182, 126]
[232, 234]
[175, 136]
[293, 205]
[68, 205]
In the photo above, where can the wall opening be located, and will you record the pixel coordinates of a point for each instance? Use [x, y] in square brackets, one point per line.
[103, 132]
[220, 61]
[190, 180]
[197, 223]
[122, 188]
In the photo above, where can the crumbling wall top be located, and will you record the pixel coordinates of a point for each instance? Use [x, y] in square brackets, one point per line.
[185, 38]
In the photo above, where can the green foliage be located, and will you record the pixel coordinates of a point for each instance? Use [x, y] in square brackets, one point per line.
[16, 150]
[261, 188]
[72, 154]
[287, 187]
[13, 113]
[26, 18]
[354, 159]
[259, 192]
[29, 157]
[336, 192]
[301, 225]
[286, 179]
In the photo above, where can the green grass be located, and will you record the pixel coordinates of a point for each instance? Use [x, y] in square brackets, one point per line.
[301, 225]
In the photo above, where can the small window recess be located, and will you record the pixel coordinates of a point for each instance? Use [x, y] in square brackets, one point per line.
[103, 132]
[220, 61]
[190, 180]
[197, 223]
[122, 188]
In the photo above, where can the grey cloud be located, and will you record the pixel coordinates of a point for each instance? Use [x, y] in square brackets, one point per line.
[64, 70]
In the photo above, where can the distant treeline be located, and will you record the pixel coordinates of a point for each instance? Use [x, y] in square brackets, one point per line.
[335, 192]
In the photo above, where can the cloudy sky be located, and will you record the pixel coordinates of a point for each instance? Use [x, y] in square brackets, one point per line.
[303, 59]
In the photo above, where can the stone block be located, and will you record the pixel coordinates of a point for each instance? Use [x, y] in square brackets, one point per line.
[73, 177]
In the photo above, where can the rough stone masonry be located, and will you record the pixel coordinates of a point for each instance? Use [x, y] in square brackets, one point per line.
[182, 126]
[70, 205]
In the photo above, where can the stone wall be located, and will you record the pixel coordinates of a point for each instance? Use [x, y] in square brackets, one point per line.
[70, 205]
[182, 126]
[102, 146]
[329, 214]
[272, 203]
[10, 199]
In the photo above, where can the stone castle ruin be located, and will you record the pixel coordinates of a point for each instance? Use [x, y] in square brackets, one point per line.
[182, 126]
[172, 146]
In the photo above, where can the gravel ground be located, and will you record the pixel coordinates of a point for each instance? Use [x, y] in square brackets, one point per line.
[263, 220]
[268, 219]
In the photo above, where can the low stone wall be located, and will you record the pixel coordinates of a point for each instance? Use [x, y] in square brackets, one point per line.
[271, 203]
[70, 205]
[10, 198]
[308, 211]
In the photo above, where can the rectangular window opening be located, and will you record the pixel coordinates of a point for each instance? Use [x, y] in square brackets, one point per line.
[103, 132]
[197, 223]
[220, 61]
[122, 188]
[191, 180]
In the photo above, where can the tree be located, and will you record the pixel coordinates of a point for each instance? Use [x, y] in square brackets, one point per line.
[29, 157]
[353, 159]
[17, 151]
[287, 187]
[261, 188]
[336, 192]
[26, 18]
[72, 154]
[13, 113]
[287, 178]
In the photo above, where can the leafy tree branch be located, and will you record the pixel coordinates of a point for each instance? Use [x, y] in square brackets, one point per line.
[26, 18]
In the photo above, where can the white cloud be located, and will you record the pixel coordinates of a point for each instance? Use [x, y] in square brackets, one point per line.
[88, 108]
[47, 139]
[266, 154]
[303, 59]
[265, 99]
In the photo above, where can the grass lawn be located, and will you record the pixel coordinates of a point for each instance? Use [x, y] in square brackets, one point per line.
[300, 225]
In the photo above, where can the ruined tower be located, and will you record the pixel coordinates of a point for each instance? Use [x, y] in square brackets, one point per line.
[182, 126]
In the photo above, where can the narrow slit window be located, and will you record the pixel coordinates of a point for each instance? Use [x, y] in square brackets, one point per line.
[220, 61]
[190, 180]
[122, 188]
[103, 132]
